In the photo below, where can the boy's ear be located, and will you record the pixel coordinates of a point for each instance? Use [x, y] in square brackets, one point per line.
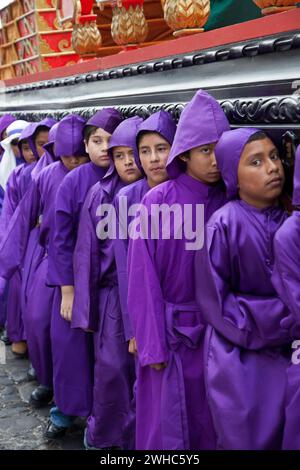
[184, 157]
[85, 145]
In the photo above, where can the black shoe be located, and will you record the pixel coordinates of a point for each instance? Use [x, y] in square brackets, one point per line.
[41, 396]
[5, 339]
[53, 431]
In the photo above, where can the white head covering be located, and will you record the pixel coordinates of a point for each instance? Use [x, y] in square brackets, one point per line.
[8, 162]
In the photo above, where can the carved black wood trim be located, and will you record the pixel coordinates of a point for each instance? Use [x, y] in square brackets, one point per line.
[281, 110]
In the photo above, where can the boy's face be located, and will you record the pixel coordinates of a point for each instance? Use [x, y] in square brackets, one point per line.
[41, 139]
[97, 148]
[154, 151]
[73, 162]
[201, 164]
[260, 174]
[27, 152]
[125, 164]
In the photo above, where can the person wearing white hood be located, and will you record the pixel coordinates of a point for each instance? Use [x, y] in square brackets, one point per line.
[11, 156]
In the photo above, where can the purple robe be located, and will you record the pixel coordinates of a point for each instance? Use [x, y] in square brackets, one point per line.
[245, 359]
[16, 188]
[286, 280]
[72, 373]
[5, 121]
[97, 308]
[39, 295]
[172, 412]
[70, 198]
[34, 250]
[171, 407]
[35, 213]
[163, 124]
[133, 193]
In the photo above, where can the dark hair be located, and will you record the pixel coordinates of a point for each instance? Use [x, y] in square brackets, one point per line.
[40, 129]
[145, 132]
[181, 163]
[89, 131]
[14, 141]
[259, 135]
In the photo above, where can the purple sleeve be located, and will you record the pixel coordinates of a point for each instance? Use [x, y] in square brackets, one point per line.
[64, 237]
[250, 321]
[10, 202]
[286, 274]
[86, 270]
[2, 194]
[14, 242]
[145, 300]
[121, 253]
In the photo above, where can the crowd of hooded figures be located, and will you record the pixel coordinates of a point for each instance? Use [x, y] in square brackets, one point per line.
[156, 345]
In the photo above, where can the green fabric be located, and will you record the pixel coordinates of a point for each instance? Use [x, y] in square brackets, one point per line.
[228, 12]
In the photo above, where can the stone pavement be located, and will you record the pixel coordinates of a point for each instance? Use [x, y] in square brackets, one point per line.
[21, 426]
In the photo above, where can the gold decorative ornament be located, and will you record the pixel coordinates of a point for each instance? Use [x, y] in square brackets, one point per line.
[129, 26]
[42, 24]
[186, 17]
[56, 24]
[65, 46]
[44, 47]
[86, 38]
[45, 65]
[269, 7]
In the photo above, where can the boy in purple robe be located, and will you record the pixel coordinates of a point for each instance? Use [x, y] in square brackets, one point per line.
[154, 139]
[245, 359]
[171, 406]
[69, 201]
[42, 158]
[71, 196]
[96, 306]
[38, 205]
[31, 140]
[10, 146]
[286, 280]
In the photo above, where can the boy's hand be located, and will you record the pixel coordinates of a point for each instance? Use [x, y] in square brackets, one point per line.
[67, 299]
[159, 366]
[132, 348]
